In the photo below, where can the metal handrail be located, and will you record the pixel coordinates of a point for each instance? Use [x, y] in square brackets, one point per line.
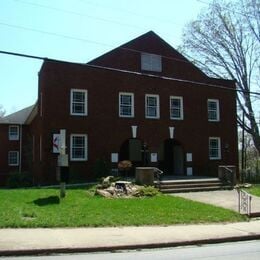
[227, 176]
[158, 174]
[226, 168]
[158, 171]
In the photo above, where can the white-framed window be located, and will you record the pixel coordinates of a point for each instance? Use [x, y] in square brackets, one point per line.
[213, 110]
[126, 104]
[152, 106]
[151, 62]
[13, 132]
[176, 108]
[214, 148]
[79, 102]
[13, 158]
[78, 147]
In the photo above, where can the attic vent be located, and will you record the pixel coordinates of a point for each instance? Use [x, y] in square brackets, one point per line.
[151, 62]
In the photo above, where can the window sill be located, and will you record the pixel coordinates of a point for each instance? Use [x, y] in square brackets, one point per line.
[120, 116]
[213, 120]
[147, 117]
[78, 160]
[178, 119]
[79, 114]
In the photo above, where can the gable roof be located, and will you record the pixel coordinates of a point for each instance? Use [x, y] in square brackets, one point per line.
[18, 117]
[152, 43]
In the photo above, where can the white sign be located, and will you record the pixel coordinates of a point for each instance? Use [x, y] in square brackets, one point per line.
[55, 143]
[189, 171]
[154, 157]
[189, 157]
[114, 157]
[63, 160]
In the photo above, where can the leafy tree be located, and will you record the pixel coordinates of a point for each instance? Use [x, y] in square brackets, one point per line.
[224, 42]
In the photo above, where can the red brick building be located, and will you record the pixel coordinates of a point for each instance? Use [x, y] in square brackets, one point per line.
[141, 93]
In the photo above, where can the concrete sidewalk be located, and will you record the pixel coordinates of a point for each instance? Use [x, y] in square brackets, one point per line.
[62, 240]
[221, 198]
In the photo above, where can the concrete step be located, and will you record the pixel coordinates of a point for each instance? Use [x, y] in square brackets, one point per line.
[194, 189]
[187, 185]
[210, 184]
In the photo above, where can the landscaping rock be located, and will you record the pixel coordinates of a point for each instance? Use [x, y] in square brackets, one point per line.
[107, 181]
[118, 189]
[104, 193]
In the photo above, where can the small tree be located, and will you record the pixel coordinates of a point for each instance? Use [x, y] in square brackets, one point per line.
[125, 166]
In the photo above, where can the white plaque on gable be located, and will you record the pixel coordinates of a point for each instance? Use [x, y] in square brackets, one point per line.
[114, 157]
[154, 157]
[189, 157]
[55, 143]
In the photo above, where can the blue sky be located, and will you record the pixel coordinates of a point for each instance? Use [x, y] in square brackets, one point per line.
[77, 31]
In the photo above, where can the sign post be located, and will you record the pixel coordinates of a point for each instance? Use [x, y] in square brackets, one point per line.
[63, 164]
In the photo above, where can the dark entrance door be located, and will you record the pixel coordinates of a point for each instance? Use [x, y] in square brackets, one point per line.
[173, 157]
[131, 150]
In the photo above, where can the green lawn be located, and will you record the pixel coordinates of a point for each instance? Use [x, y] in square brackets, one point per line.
[254, 190]
[42, 208]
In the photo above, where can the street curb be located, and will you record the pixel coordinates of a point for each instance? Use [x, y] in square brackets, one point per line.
[49, 251]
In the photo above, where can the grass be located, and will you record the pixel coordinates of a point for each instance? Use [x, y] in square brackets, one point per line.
[254, 190]
[43, 208]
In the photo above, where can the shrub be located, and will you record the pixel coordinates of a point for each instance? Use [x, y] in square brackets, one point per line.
[19, 180]
[148, 191]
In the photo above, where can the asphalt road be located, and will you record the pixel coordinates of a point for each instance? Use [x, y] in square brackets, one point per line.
[248, 250]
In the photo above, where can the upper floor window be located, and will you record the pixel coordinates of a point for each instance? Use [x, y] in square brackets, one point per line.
[126, 104]
[13, 158]
[152, 106]
[78, 102]
[13, 132]
[213, 110]
[78, 147]
[151, 62]
[214, 148]
[176, 108]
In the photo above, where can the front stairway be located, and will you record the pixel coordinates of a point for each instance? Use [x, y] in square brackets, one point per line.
[191, 185]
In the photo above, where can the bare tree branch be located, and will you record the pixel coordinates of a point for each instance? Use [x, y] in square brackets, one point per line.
[224, 42]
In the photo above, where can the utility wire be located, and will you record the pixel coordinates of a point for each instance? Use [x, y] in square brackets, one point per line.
[81, 39]
[79, 14]
[84, 15]
[184, 60]
[132, 72]
[53, 34]
[158, 19]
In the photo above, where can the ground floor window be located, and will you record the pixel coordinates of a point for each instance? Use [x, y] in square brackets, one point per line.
[78, 147]
[13, 158]
[214, 148]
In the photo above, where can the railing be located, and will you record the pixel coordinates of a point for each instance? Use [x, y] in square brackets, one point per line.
[227, 174]
[244, 202]
[158, 175]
